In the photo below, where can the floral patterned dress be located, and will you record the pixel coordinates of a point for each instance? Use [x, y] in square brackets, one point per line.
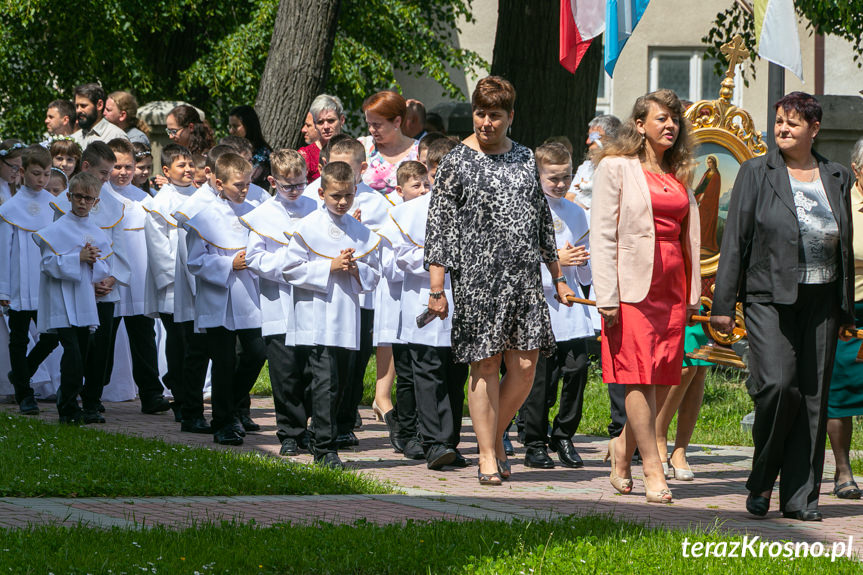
[491, 228]
[381, 175]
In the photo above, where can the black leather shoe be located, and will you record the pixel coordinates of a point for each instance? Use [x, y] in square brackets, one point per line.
[227, 436]
[757, 505]
[289, 447]
[507, 444]
[76, 418]
[393, 429]
[414, 449]
[248, 423]
[330, 460]
[538, 458]
[156, 405]
[358, 420]
[178, 413]
[237, 426]
[197, 425]
[303, 441]
[28, 406]
[92, 416]
[566, 452]
[345, 440]
[460, 460]
[438, 456]
[100, 407]
[803, 515]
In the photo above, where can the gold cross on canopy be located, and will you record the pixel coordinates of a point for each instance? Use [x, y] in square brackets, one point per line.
[735, 53]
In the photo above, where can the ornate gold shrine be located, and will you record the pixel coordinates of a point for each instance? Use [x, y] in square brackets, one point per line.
[726, 137]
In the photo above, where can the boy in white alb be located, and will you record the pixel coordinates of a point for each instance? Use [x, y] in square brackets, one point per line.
[571, 325]
[160, 231]
[109, 213]
[129, 308]
[196, 357]
[74, 252]
[438, 380]
[271, 225]
[411, 183]
[227, 307]
[27, 211]
[331, 260]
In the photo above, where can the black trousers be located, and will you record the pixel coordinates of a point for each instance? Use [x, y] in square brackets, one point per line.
[569, 363]
[75, 342]
[22, 364]
[287, 365]
[792, 349]
[233, 375]
[187, 356]
[406, 400]
[141, 331]
[175, 354]
[96, 374]
[327, 371]
[353, 394]
[439, 387]
[617, 399]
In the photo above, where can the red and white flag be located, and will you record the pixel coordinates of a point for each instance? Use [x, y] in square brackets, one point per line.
[580, 22]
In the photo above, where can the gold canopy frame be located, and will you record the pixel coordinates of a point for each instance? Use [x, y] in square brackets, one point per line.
[727, 129]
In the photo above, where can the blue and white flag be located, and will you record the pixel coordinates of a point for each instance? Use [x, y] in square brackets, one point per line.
[621, 18]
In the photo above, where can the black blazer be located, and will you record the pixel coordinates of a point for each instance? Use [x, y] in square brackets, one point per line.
[758, 261]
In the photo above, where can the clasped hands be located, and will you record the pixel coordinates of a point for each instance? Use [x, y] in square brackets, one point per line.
[346, 262]
[570, 255]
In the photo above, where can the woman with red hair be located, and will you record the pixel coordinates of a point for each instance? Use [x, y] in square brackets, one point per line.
[386, 146]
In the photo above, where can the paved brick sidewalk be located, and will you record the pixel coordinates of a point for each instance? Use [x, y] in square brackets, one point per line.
[715, 498]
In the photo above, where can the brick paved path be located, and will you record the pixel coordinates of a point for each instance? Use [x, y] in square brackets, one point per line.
[716, 497]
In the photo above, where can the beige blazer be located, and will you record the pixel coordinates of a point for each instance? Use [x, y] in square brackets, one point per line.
[623, 235]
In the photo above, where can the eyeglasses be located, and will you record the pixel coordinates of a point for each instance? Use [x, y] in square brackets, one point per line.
[13, 167]
[82, 198]
[290, 187]
[172, 131]
[142, 155]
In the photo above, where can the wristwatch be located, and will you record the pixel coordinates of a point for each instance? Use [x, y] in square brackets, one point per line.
[436, 294]
[559, 280]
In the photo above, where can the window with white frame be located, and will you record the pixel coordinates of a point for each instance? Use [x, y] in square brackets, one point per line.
[687, 73]
[603, 93]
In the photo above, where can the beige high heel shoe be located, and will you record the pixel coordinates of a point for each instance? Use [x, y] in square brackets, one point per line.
[661, 496]
[379, 413]
[622, 485]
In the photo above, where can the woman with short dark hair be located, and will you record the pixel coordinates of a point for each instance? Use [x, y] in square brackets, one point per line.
[490, 227]
[787, 256]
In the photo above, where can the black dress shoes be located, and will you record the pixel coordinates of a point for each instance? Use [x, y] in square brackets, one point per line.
[76, 418]
[346, 440]
[248, 423]
[303, 440]
[227, 436]
[757, 505]
[178, 412]
[89, 416]
[393, 429]
[157, 404]
[566, 452]
[197, 425]
[289, 447]
[28, 406]
[330, 460]
[507, 444]
[237, 426]
[414, 449]
[438, 456]
[538, 458]
[803, 515]
[460, 460]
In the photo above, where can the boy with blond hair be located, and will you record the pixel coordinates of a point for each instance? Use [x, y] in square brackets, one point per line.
[271, 226]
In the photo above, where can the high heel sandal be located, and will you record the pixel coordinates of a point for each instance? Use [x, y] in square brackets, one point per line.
[504, 469]
[681, 474]
[661, 496]
[622, 485]
[668, 470]
[379, 413]
[492, 479]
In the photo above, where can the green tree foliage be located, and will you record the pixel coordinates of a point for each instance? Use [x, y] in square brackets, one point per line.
[210, 53]
[838, 18]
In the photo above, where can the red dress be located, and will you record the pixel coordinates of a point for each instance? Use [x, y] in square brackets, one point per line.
[312, 155]
[646, 344]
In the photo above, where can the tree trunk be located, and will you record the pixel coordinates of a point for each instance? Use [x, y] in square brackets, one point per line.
[296, 69]
[550, 101]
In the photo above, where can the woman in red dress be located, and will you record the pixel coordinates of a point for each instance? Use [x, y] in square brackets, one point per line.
[645, 251]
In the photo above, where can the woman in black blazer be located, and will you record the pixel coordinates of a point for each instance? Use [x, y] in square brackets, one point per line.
[787, 255]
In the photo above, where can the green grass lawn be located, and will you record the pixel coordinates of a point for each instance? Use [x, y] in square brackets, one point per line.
[39, 459]
[572, 545]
